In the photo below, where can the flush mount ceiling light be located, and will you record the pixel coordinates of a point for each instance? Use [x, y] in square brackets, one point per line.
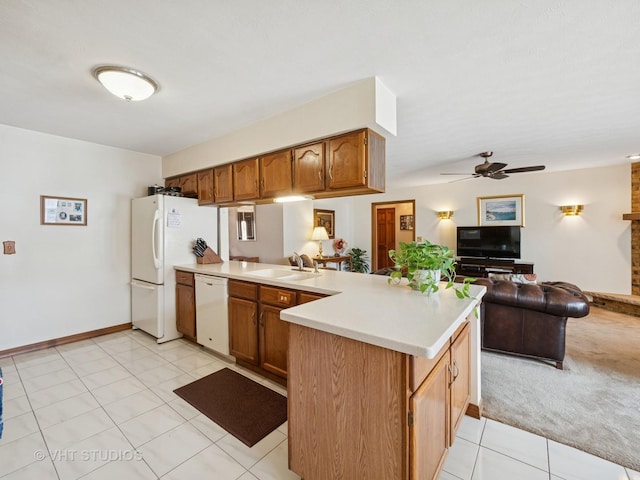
[635, 156]
[126, 83]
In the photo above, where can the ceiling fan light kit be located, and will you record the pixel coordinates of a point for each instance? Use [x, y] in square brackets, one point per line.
[494, 170]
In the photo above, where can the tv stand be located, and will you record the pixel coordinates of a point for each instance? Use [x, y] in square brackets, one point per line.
[481, 267]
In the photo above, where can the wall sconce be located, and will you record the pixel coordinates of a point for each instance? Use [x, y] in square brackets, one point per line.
[319, 234]
[572, 209]
[445, 214]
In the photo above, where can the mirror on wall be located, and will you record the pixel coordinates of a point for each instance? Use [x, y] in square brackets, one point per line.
[246, 223]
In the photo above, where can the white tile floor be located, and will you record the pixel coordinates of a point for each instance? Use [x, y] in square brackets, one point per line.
[104, 408]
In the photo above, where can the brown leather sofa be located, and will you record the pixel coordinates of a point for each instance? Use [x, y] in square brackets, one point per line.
[529, 319]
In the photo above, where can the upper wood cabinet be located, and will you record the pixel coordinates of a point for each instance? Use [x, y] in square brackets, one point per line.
[246, 177]
[356, 161]
[205, 187]
[223, 183]
[189, 185]
[308, 168]
[275, 174]
[348, 164]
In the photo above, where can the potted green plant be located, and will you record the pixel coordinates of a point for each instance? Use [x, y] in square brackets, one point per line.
[426, 263]
[359, 260]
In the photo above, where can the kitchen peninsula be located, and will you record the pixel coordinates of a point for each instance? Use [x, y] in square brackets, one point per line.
[379, 376]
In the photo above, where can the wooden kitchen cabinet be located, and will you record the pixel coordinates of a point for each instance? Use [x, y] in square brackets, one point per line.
[186, 305]
[355, 162]
[205, 187]
[308, 168]
[172, 182]
[243, 321]
[398, 411]
[223, 183]
[274, 333]
[246, 178]
[189, 185]
[275, 174]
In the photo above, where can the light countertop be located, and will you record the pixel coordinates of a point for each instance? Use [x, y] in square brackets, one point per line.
[364, 307]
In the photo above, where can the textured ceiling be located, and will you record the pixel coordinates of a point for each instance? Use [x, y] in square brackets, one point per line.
[538, 82]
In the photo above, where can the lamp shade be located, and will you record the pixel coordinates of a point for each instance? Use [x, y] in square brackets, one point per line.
[319, 233]
[125, 83]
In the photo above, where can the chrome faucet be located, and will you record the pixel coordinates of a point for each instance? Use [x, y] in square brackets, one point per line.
[315, 266]
[298, 260]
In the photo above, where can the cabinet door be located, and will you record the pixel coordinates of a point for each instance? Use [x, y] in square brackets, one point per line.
[460, 385]
[347, 161]
[223, 183]
[189, 184]
[275, 174]
[245, 179]
[243, 330]
[172, 182]
[205, 187]
[186, 310]
[428, 435]
[274, 341]
[308, 168]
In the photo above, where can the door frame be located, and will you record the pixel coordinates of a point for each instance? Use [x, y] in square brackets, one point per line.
[374, 230]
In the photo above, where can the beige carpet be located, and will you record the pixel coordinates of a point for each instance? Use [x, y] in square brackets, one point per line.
[593, 404]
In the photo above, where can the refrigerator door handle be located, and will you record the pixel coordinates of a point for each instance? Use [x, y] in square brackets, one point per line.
[140, 285]
[156, 219]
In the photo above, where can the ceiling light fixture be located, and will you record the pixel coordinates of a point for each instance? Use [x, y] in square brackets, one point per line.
[635, 156]
[126, 83]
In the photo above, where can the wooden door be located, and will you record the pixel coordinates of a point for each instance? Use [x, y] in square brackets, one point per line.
[223, 183]
[246, 175]
[308, 168]
[347, 161]
[428, 433]
[460, 385]
[243, 330]
[385, 236]
[205, 187]
[186, 310]
[276, 177]
[274, 341]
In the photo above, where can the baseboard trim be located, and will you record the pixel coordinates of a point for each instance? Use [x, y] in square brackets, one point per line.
[62, 340]
[475, 411]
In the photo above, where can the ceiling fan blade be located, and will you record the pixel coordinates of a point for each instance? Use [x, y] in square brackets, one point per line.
[456, 174]
[498, 175]
[494, 167]
[525, 169]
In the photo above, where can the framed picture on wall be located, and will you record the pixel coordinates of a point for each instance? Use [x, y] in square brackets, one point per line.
[63, 210]
[326, 219]
[501, 210]
[406, 222]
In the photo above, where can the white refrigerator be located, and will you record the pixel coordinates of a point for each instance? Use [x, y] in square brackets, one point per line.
[163, 231]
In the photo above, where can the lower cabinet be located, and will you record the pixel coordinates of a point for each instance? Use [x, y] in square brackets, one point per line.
[361, 401]
[186, 305]
[258, 338]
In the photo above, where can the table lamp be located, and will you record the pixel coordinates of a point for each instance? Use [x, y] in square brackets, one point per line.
[319, 234]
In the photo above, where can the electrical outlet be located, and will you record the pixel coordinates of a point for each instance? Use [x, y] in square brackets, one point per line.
[9, 247]
[419, 238]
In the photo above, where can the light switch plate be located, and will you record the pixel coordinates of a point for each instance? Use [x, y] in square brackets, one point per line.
[9, 247]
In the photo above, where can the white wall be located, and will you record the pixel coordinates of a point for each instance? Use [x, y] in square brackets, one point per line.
[65, 280]
[592, 250]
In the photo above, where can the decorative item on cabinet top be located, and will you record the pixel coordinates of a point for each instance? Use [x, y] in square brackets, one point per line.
[352, 164]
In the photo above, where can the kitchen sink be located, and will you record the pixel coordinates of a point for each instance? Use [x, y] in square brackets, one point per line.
[283, 274]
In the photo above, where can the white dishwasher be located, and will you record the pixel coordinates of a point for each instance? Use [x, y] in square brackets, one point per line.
[212, 324]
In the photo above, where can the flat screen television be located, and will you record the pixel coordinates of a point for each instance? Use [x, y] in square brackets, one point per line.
[488, 242]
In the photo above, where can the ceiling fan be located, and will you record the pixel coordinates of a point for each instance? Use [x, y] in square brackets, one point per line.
[494, 170]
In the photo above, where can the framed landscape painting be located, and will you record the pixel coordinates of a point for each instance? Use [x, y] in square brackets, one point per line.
[501, 210]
